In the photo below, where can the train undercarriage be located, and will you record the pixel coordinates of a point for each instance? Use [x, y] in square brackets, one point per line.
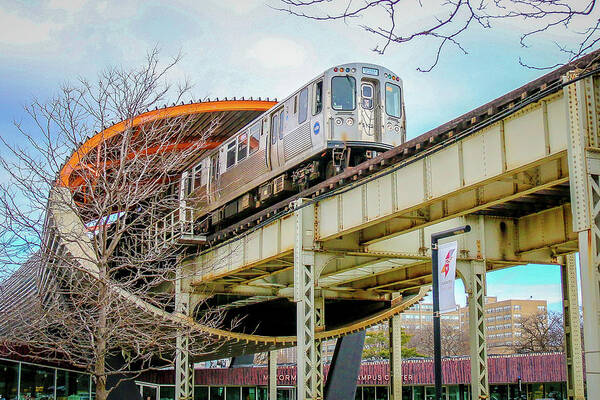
[295, 180]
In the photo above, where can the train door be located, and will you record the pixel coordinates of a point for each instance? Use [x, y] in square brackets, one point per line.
[369, 112]
[276, 133]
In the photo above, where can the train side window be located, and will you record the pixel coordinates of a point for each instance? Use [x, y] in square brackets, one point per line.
[281, 124]
[242, 146]
[231, 149]
[303, 105]
[254, 138]
[318, 99]
[198, 175]
[274, 128]
[215, 167]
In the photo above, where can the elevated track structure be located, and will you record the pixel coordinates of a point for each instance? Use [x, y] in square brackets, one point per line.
[352, 251]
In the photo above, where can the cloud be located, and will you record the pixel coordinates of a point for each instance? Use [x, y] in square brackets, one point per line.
[239, 7]
[17, 30]
[67, 5]
[277, 52]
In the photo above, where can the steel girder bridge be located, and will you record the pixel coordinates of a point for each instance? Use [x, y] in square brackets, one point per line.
[523, 171]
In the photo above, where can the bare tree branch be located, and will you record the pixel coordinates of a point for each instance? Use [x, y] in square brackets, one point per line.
[447, 21]
[96, 266]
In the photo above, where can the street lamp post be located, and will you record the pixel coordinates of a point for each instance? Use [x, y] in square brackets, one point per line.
[437, 338]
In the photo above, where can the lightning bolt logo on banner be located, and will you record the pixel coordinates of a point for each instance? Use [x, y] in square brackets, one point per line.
[446, 275]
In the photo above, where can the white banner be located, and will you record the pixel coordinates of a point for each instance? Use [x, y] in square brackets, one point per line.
[446, 275]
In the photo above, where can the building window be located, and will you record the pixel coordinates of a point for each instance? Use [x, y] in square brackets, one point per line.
[541, 308]
[71, 384]
[517, 307]
[8, 379]
[37, 382]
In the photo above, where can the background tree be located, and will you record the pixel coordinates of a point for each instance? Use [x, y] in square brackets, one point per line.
[455, 342]
[102, 262]
[377, 345]
[441, 24]
[540, 332]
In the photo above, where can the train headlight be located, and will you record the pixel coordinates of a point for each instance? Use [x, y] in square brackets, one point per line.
[339, 121]
[349, 122]
[389, 127]
[397, 128]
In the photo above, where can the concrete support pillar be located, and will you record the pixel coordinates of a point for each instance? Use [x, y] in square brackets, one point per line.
[395, 330]
[184, 368]
[573, 356]
[304, 296]
[273, 375]
[473, 275]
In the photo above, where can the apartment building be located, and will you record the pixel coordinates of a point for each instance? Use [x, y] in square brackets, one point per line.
[502, 319]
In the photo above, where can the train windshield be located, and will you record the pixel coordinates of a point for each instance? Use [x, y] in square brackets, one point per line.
[343, 93]
[393, 100]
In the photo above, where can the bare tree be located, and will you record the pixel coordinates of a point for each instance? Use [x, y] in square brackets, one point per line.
[540, 332]
[445, 23]
[455, 342]
[98, 231]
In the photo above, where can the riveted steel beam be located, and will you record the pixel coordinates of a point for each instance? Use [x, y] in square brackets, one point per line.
[473, 276]
[584, 167]
[395, 336]
[573, 348]
[184, 367]
[305, 270]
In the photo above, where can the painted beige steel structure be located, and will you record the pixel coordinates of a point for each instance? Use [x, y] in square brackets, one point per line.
[370, 238]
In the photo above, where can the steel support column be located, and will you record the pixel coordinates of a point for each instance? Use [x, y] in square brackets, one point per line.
[395, 331]
[573, 356]
[273, 374]
[304, 296]
[184, 368]
[319, 326]
[584, 177]
[473, 276]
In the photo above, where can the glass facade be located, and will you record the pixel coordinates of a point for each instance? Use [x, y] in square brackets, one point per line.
[26, 381]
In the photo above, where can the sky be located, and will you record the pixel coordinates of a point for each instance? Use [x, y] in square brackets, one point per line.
[247, 48]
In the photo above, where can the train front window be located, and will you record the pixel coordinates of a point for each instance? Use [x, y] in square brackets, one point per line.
[343, 93]
[393, 100]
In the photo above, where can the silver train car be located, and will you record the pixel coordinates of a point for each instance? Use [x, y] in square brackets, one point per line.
[344, 116]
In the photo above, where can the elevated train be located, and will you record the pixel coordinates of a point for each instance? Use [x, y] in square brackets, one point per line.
[342, 117]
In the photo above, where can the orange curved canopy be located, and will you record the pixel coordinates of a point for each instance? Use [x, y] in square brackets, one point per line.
[234, 107]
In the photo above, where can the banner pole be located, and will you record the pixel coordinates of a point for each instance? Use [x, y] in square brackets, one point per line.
[437, 336]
